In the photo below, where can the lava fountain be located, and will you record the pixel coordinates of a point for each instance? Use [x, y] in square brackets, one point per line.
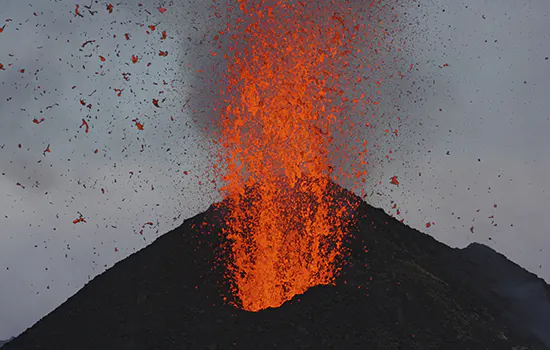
[284, 104]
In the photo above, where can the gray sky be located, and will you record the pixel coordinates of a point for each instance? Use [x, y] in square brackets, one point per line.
[478, 137]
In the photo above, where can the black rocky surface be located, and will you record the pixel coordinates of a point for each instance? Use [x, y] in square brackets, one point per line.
[399, 289]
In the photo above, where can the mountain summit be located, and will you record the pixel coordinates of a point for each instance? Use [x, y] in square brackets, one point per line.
[399, 289]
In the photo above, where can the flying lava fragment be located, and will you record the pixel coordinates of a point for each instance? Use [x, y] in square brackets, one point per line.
[80, 219]
[85, 125]
[393, 180]
[77, 11]
[87, 42]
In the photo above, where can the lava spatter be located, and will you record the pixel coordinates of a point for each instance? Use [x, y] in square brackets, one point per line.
[285, 102]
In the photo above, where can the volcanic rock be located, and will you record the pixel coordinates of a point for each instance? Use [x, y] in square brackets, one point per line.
[399, 289]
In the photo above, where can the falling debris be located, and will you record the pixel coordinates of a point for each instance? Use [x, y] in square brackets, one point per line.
[77, 220]
[77, 11]
[87, 42]
[85, 124]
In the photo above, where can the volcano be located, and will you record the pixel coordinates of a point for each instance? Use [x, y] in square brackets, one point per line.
[398, 289]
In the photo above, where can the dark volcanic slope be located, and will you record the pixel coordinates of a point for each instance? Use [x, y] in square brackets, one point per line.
[407, 292]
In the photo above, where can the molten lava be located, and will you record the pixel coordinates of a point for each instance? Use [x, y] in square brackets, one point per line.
[284, 105]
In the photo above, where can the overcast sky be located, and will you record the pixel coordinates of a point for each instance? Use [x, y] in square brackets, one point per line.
[473, 149]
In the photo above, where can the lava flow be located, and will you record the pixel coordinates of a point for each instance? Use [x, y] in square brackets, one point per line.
[284, 104]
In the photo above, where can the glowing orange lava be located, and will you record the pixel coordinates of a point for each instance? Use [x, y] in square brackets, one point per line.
[284, 104]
